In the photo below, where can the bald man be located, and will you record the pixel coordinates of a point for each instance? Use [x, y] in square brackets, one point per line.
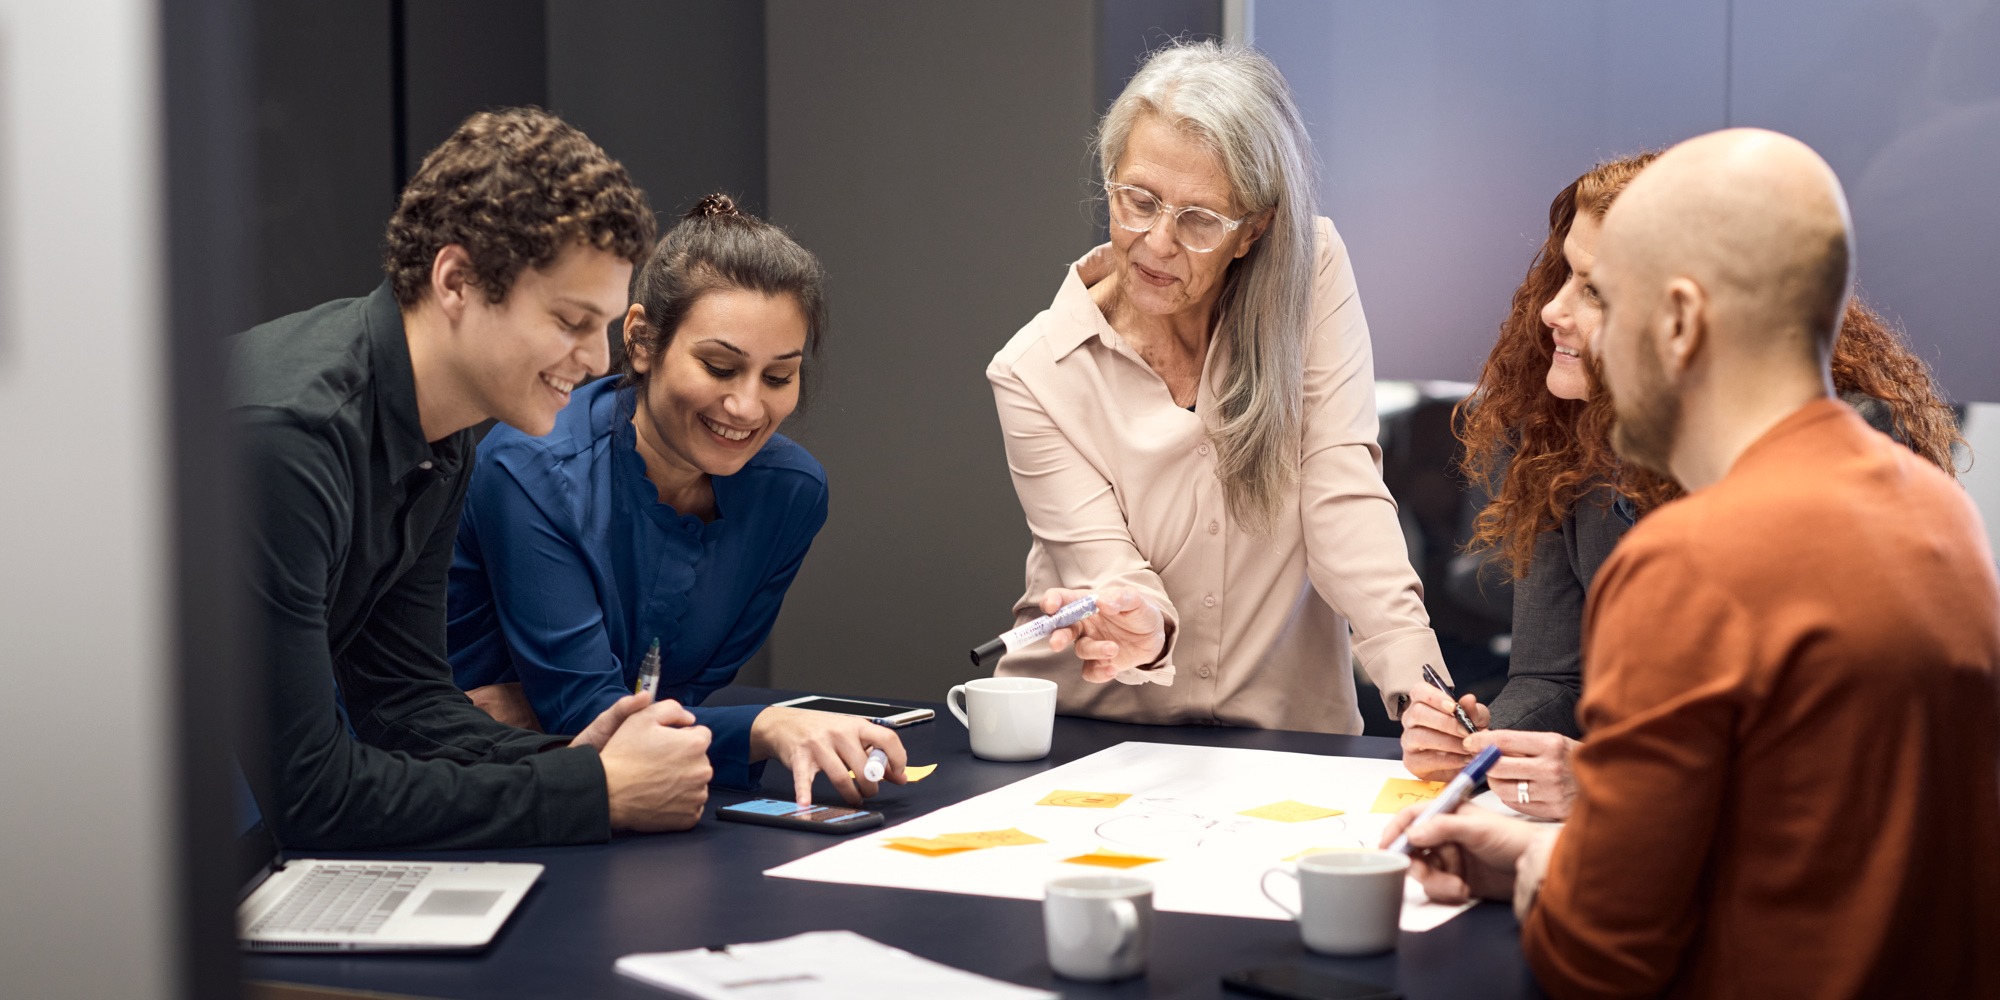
[1791, 781]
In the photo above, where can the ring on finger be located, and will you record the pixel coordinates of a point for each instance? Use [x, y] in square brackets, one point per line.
[1521, 793]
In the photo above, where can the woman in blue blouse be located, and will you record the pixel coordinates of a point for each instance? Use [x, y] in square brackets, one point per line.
[664, 506]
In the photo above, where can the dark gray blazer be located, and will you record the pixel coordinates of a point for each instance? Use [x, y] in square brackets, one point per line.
[1545, 669]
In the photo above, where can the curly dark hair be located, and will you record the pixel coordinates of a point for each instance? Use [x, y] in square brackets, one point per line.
[513, 187]
[717, 246]
[1539, 456]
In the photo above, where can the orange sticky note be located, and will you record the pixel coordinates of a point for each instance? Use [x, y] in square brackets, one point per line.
[1400, 792]
[1290, 811]
[927, 848]
[1111, 859]
[1083, 800]
[1009, 837]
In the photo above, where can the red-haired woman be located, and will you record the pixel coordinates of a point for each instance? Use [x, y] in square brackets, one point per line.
[1536, 431]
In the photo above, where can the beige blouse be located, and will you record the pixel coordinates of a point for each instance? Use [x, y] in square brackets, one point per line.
[1119, 488]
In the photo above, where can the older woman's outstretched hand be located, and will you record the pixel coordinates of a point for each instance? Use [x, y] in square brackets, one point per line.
[1127, 631]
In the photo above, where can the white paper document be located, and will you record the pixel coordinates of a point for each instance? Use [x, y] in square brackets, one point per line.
[819, 965]
[1204, 824]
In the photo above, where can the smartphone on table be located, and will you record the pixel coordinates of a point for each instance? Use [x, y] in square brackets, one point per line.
[792, 816]
[880, 713]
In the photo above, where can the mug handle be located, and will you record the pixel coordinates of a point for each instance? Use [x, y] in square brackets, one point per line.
[954, 699]
[1127, 915]
[1264, 885]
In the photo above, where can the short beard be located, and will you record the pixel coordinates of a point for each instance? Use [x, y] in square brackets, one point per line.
[1642, 432]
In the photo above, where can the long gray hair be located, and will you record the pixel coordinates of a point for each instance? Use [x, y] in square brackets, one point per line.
[1232, 100]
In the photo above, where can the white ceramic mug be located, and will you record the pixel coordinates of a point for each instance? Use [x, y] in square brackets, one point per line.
[1010, 718]
[1350, 902]
[1098, 926]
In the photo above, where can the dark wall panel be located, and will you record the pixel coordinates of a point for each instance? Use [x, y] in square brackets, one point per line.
[326, 173]
[673, 90]
[462, 56]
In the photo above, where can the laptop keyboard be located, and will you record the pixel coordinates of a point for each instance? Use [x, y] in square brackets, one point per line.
[342, 899]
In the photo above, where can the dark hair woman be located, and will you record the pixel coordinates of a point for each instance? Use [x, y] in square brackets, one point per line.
[1536, 431]
[664, 510]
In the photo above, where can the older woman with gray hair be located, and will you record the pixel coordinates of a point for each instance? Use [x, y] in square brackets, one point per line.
[1191, 429]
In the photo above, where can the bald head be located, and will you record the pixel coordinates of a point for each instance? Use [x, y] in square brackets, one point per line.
[1758, 221]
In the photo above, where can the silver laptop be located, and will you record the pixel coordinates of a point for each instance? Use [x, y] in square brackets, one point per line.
[311, 904]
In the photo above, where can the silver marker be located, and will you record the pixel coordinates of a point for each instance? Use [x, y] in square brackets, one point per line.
[649, 672]
[1034, 631]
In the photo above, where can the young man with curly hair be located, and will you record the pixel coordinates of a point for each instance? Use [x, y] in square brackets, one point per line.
[508, 256]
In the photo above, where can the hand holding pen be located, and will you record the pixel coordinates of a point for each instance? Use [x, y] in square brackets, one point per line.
[1434, 738]
[1128, 630]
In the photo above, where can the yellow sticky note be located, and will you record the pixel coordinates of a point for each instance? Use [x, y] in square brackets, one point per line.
[1104, 858]
[1083, 800]
[914, 772]
[1290, 811]
[1009, 837]
[1400, 792]
[926, 847]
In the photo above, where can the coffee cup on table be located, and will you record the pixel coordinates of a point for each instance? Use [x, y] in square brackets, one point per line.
[1099, 926]
[1350, 902]
[1010, 718]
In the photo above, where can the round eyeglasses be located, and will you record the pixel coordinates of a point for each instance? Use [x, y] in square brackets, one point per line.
[1138, 210]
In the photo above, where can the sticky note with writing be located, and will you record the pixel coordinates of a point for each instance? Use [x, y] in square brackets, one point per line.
[1400, 792]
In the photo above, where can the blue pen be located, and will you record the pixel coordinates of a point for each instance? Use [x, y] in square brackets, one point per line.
[1452, 796]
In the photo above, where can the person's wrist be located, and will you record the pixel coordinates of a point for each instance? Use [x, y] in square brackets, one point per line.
[1530, 869]
[1166, 640]
[761, 747]
[614, 794]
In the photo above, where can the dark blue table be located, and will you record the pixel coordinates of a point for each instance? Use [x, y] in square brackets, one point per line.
[706, 887]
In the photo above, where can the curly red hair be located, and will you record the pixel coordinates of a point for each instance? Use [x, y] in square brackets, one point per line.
[1537, 456]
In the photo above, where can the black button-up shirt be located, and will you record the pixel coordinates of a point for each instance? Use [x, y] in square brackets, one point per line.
[353, 515]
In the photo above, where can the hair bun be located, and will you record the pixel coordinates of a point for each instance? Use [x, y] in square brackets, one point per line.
[713, 205]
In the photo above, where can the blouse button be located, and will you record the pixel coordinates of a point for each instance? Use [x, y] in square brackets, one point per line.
[1208, 602]
[1201, 449]
[1203, 671]
[426, 464]
[1214, 527]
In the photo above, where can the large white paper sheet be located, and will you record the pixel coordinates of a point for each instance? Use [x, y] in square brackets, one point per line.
[819, 965]
[1185, 807]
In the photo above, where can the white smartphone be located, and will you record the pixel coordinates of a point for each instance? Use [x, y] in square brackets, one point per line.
[893, 716]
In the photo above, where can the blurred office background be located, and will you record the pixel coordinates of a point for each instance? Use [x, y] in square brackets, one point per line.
[172, 173]
[936, 156]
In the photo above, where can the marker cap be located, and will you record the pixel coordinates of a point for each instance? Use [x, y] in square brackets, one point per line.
[987, 652]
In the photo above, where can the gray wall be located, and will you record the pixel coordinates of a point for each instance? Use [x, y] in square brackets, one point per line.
[1903, 98]
[933, 155]
[88, 881]
[1445, 127]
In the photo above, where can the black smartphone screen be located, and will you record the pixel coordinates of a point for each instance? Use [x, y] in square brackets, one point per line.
[871, 709]
[1296, 982]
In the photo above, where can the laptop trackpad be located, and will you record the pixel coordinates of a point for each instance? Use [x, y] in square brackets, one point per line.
[459, 902]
